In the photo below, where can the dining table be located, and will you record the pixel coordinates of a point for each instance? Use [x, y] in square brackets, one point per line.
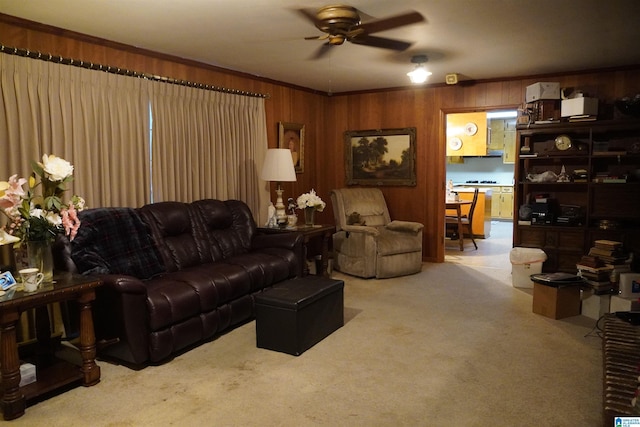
[457, 205]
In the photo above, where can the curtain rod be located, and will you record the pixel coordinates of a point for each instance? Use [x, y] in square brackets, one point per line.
[122, 71]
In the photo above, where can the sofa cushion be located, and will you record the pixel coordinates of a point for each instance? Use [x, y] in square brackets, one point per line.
[228, 225]
[175, 234]
[176, 296]
[115, 241]
[392, 242]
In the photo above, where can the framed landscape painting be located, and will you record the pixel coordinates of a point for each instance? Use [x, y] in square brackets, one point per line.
[381, 157]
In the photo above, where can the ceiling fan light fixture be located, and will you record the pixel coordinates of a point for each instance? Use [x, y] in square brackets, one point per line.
[419, 74]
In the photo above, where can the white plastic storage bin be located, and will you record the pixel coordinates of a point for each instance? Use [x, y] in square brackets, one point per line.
[524, 263]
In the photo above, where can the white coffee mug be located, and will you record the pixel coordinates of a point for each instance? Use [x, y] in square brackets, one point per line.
[31, 279]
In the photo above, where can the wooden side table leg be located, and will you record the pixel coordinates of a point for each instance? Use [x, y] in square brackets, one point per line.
[305, 249]
[13, 402]
[325, 254]
[90, 370]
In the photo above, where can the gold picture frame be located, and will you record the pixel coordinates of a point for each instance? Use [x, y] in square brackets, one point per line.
[291, 136]
[381, 157]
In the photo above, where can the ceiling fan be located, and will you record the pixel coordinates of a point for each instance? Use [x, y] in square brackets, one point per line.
[342, 23]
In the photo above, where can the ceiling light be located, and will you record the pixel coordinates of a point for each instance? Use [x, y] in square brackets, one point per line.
[420, 73]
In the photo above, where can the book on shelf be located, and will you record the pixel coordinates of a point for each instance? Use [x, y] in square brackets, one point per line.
[613, 260]
[600, 252]
[595, 270]
[607, 244]
[609, 152]
[609, 180]
[598, 277]
[600, 287]
[591, 261]
[583, 118]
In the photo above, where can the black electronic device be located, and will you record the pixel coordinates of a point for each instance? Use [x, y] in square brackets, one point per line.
[542, 214]
[570, 215]
[632, 317]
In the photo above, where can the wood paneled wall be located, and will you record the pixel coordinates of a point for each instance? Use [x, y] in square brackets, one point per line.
[326, 118]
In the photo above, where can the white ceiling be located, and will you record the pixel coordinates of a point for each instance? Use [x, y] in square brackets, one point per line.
[478, 39]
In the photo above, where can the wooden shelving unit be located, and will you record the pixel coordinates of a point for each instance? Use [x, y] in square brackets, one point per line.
[608, 208]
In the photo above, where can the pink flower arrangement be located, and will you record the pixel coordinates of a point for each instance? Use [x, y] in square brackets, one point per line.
[40, 217]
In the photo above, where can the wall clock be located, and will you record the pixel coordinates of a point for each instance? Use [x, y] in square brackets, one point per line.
[470, 128]
[455, 143]
[563, 142]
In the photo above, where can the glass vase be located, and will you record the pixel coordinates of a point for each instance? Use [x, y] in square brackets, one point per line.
[40, 256]
[309, 216]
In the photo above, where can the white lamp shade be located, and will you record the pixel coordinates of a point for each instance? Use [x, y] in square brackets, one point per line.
[278, 165]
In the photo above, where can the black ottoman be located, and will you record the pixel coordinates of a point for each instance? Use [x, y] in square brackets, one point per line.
[294, 315]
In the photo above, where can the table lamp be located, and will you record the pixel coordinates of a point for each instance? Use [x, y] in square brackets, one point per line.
[278, 167]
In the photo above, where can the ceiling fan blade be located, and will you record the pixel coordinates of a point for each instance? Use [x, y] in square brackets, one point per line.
[322, 51]
[322, 37]
[392, 22]
[381, 42]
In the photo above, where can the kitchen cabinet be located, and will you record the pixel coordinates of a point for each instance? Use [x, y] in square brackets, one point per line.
[502, 203]
[589, 175]
[502, 138]
[467, 134]
[506, 203]
[481, 224]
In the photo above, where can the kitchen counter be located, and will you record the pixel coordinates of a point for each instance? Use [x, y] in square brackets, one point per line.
[501, 200]
[481, 224]
[481, 184]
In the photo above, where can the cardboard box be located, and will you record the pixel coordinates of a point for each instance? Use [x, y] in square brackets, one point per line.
[556, 302]
[546, 109]
[542, 90]
[619, 303]
[579, 107]
[629, 285]
[595, 306]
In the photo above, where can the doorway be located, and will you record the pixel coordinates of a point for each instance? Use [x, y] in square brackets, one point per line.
[487, 163]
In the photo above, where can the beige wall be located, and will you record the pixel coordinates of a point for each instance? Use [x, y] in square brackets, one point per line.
[326, 118]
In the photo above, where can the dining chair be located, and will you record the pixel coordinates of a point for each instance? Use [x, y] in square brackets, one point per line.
[466, 220]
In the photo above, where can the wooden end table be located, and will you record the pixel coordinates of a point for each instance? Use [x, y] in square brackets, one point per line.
[309, 232]
[56, 373]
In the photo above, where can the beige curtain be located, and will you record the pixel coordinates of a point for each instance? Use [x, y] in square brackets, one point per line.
[208, 144]
[97, 121]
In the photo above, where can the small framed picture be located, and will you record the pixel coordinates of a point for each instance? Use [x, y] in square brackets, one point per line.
[291, 136]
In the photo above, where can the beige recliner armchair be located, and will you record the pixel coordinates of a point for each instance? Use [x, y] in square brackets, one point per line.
[367, 243]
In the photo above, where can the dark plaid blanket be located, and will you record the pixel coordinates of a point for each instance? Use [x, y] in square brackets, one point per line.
[115, 241]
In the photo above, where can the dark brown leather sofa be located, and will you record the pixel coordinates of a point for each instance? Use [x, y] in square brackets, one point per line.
[175, 274]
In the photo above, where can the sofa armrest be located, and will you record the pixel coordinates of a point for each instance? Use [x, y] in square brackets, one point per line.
[405, 226]
[124, 284]
[121, 318]
[277, 240]
[292, 241]
[364, 229]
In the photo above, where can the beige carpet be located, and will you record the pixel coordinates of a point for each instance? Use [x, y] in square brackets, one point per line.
[455, 345]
